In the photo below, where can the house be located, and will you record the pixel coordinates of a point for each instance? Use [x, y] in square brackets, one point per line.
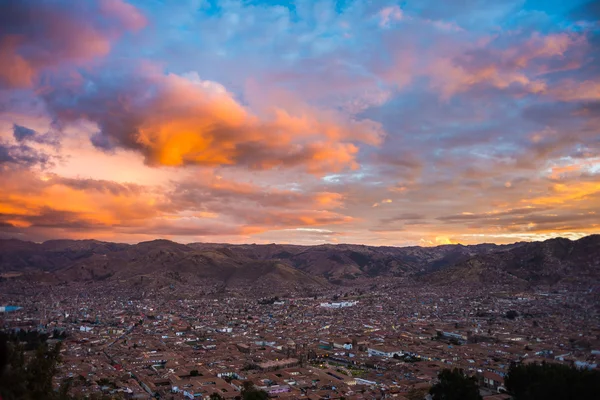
[384, 351]
[491, 380]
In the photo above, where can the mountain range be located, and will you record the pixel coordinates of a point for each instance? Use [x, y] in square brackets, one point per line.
[551, 262]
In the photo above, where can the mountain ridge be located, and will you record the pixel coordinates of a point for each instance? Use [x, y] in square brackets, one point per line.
[544, 262]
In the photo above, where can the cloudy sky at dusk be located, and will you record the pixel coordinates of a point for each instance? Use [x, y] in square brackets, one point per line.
[377, 122]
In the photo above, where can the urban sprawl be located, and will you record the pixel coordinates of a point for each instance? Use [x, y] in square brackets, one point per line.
[382, 338]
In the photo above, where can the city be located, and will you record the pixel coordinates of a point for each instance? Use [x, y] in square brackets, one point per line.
[299, 199]
[366, 338]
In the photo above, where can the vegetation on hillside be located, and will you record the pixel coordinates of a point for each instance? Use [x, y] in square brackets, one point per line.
[28, 365]
[544, 381]
[454, 385]
[552, 381]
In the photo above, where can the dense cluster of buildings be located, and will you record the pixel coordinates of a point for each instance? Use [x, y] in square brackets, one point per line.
[377, 339]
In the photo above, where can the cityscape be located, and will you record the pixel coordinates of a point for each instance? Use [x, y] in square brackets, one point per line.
[168, 334]
[299, 199]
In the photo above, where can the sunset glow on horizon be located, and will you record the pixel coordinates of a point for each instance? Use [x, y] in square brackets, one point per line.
[370, 122]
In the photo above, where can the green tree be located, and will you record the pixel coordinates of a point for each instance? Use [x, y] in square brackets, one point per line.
[216, 396]
[551, 381]
[454, 385]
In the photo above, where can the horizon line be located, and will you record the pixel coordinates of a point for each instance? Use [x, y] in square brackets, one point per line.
[300, 245]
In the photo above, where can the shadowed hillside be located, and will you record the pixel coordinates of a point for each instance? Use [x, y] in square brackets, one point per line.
[528, 263]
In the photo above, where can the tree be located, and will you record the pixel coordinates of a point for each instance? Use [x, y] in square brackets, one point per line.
[194, 372]
[250, 392]
[454, 385]
[511, 314]
[216, 396]
[30, 378]
[551, 381]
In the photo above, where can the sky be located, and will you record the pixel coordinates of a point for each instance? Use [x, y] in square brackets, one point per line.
[418, 122]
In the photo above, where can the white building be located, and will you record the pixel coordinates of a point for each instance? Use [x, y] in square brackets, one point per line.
[340, 304]
[389, 353]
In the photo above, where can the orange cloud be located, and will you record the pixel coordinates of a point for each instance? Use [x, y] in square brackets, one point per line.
[329, 200]
[75, 207]
[286, 219]
[28, 200]
[561, 193]
[559, 172]
[175, 120]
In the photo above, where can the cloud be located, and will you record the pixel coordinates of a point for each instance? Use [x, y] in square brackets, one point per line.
[39, 36]
[221, 194]
[257, 206]
[450, 78]
[570, 90]
[518, 66]
[190, 228]
[404, 217]
[389, 14]
[97, 185]
[177, 121]
[24, 134]
[22, 155]
[494, 215]
[32, 197]
[480, 122]
[34, 202]
[285, 218]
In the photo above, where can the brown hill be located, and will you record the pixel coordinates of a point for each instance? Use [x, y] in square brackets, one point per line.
[17, 255]
[551, 262]
[89, 260]
[353, 261]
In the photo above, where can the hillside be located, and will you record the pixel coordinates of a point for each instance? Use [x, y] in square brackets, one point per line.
[353, 261]
[524, 264]
[549, 263]
[87, 260]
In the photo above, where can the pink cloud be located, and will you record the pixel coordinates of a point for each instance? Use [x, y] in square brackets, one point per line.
[389, 14]
[450, 78]
[518, 66]
[570, 90]
[130, 17]
[38, 38]
[542, 47]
